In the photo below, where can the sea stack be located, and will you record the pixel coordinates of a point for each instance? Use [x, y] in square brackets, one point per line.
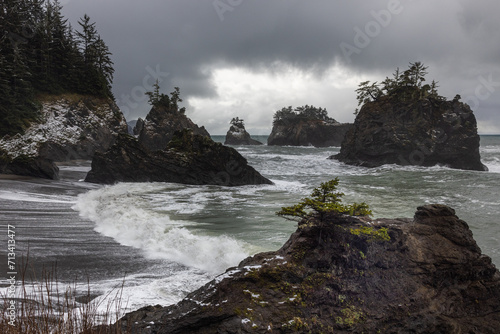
[187, 159]
[161, 123]
[306, 126]
[237, 135]
[408, 123]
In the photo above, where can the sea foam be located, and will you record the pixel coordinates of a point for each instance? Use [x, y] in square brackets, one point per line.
[126, 213]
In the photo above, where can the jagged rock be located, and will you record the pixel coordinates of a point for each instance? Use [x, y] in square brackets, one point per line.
[131, 126]
[300, 132]
[237, 135]
[336, 277]
[160, 125]
[425, 132]
[71, 127]
[138, 127]
[188, 159]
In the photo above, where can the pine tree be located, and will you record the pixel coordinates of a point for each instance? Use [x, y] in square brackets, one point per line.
[60, 47]
[104, 63]
[324, 201]
[40, 53]
[366, 92]
[97, 65]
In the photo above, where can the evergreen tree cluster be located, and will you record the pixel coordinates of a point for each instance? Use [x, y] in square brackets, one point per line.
[170, 103]
[238, 122]
[306, 112]
[40, 53]
[406, 86]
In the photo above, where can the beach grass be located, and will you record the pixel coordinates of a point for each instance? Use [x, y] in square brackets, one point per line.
[44, 305]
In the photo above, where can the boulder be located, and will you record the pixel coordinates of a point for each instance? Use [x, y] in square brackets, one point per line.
[423, 132]
[420, 275]
[307, 132]
[188, 159]
[160, 125]
[237, 135]
[28, 166]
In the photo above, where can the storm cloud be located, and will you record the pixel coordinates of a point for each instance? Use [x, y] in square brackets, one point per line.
[249, 58]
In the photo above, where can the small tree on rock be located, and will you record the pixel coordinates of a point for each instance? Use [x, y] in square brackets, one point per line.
[324, 201]
[237, 122]
[157, 99]
[367, 92]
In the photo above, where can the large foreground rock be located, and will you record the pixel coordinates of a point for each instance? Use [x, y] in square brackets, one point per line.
[333, 277]
[299, 132]
[71, 127]
[160, 125]
[423, 132]
[188, 159]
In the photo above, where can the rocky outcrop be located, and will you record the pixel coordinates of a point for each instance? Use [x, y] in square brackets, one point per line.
[347, 275]
[425, 132]
[131, 126]
[188, 158]
[298, 132]
[160, 125]
[71, 127]
[28, 166]
[237, 135]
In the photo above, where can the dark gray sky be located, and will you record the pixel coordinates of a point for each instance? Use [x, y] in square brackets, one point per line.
[249, 58]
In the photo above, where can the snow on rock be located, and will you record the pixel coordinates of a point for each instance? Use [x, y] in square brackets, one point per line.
[69, 128]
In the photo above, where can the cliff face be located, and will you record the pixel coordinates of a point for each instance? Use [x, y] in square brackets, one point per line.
[71, 127]
[188, 158]
[239, 136]
[307, 133]
[160, 125]
[426, 132]
[345, 276]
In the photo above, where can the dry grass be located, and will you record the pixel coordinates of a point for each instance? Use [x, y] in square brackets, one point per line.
[44, 305]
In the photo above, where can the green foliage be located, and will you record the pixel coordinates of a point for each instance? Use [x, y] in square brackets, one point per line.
[406, 86]
[324, 201]
[306, 112]
[367, 92]
[237, 122]
[351, 315]
[372, 233]
[41, 54]
[157, 99]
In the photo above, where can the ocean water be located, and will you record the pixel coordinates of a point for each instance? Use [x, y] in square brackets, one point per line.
[162, 240]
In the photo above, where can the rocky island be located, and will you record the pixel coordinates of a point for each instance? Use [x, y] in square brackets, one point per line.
[340, 273]
[306, 126]
[188, 159]
[171, 148]
[405, 122]
[163, 120]
[237, 135]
